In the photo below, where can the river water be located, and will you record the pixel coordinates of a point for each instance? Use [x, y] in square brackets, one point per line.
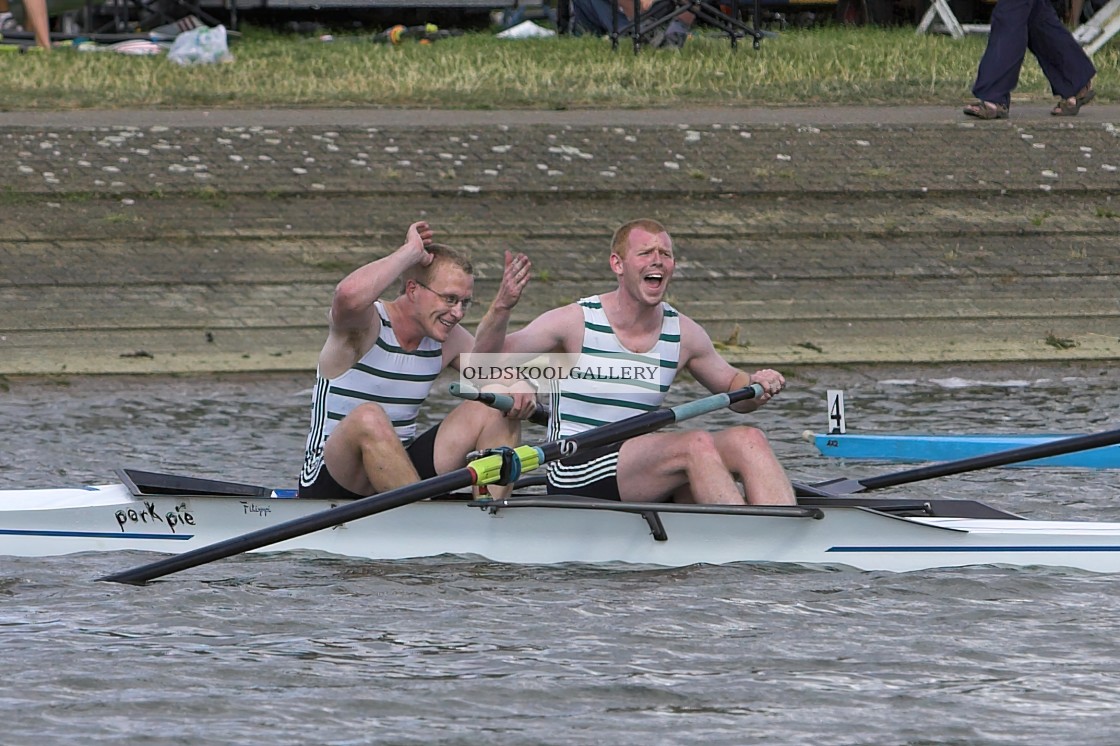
[304, 649]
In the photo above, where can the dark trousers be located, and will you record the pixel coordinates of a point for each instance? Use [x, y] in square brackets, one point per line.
[1019, 25]
[594, 16]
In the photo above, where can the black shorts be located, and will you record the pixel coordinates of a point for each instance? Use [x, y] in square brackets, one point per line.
[605, 487]
[420, 451]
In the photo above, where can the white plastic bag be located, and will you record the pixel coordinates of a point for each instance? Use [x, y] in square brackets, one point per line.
[200, 46]
[526, 30]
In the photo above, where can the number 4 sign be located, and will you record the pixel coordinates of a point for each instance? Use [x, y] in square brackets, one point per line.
[836, 421]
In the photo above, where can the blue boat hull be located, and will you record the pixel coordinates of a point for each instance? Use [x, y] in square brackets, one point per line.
[951, 447]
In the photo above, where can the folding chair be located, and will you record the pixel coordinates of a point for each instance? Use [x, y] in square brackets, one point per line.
[647, 26]
[949, 23]
[1101, 26]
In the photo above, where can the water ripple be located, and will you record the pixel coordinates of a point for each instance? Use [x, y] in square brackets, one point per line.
[300, 648]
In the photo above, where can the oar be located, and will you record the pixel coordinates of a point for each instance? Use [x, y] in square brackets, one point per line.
[960, 466]
[500, 402]
[489, 469]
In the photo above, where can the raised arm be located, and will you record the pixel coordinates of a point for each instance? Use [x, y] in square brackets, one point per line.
[717, 375]
[558, 330]
[491, 332]
[352, 307]
[491, 338]
[354, 322]
[548, 332]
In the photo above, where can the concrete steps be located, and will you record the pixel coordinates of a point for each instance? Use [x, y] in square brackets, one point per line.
[904, 244]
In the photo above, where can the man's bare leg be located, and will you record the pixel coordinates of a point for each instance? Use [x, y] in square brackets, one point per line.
[697, 466]
[655, 466]
[364, 454]
[473, 426]
[746, 452]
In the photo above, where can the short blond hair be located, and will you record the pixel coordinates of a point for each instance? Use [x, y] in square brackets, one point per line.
[441, 254]
[621, 240]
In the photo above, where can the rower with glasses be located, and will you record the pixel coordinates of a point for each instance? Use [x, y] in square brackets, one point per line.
[380, 361]
[450, 300]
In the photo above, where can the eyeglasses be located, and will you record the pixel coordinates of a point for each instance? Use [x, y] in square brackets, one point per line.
[449, 300]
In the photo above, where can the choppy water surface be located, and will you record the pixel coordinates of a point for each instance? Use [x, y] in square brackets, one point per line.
[291, 649]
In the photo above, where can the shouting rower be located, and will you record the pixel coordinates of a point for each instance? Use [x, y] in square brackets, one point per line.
[378, 366]
[626, 332]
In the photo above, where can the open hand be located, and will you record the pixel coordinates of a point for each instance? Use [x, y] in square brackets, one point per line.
[515, 278]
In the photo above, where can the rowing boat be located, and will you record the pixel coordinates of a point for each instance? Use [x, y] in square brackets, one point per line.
[170, 514]
[198, 521]
[929, 447]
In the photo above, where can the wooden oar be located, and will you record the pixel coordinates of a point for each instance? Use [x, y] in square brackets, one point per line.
[960, 466]
[500, 402]
[505, 466]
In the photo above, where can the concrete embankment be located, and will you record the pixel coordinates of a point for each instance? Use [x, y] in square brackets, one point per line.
[211, 241]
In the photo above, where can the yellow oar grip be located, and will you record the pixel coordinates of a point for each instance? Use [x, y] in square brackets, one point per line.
[531, 457]
[488, 469]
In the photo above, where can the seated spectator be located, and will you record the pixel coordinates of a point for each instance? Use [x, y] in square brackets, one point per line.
[594, 17]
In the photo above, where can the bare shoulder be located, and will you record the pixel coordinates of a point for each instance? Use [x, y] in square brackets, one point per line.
[566, 314]
[567, 322]
[556, 326]
[345, 346]
[459, 342]
[700, 357]
[695, 340]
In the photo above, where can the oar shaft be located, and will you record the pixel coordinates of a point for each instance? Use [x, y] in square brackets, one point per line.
[645, 423]
[449, 482]
[990, 460]
[485, 470]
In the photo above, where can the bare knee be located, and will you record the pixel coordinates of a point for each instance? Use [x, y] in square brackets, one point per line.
[748, 438]
[701, 449]
[493, 421]
[488, 415]
[368, 422]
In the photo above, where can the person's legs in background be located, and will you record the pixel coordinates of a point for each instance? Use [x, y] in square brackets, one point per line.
[998, 73]
[676, 33]
[595, 17]
[36, 20]
[1064, 63]
[591, 17]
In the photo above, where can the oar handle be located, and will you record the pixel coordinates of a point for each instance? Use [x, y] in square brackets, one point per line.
[500, 402]
[679, 413]
[696, 408]
[990, 460]
[640, 424]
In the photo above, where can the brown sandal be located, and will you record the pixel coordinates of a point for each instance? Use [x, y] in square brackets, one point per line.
[986, 110]
[1069, 107]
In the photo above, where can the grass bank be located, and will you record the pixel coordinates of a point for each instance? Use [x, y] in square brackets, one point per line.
[834, 65]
